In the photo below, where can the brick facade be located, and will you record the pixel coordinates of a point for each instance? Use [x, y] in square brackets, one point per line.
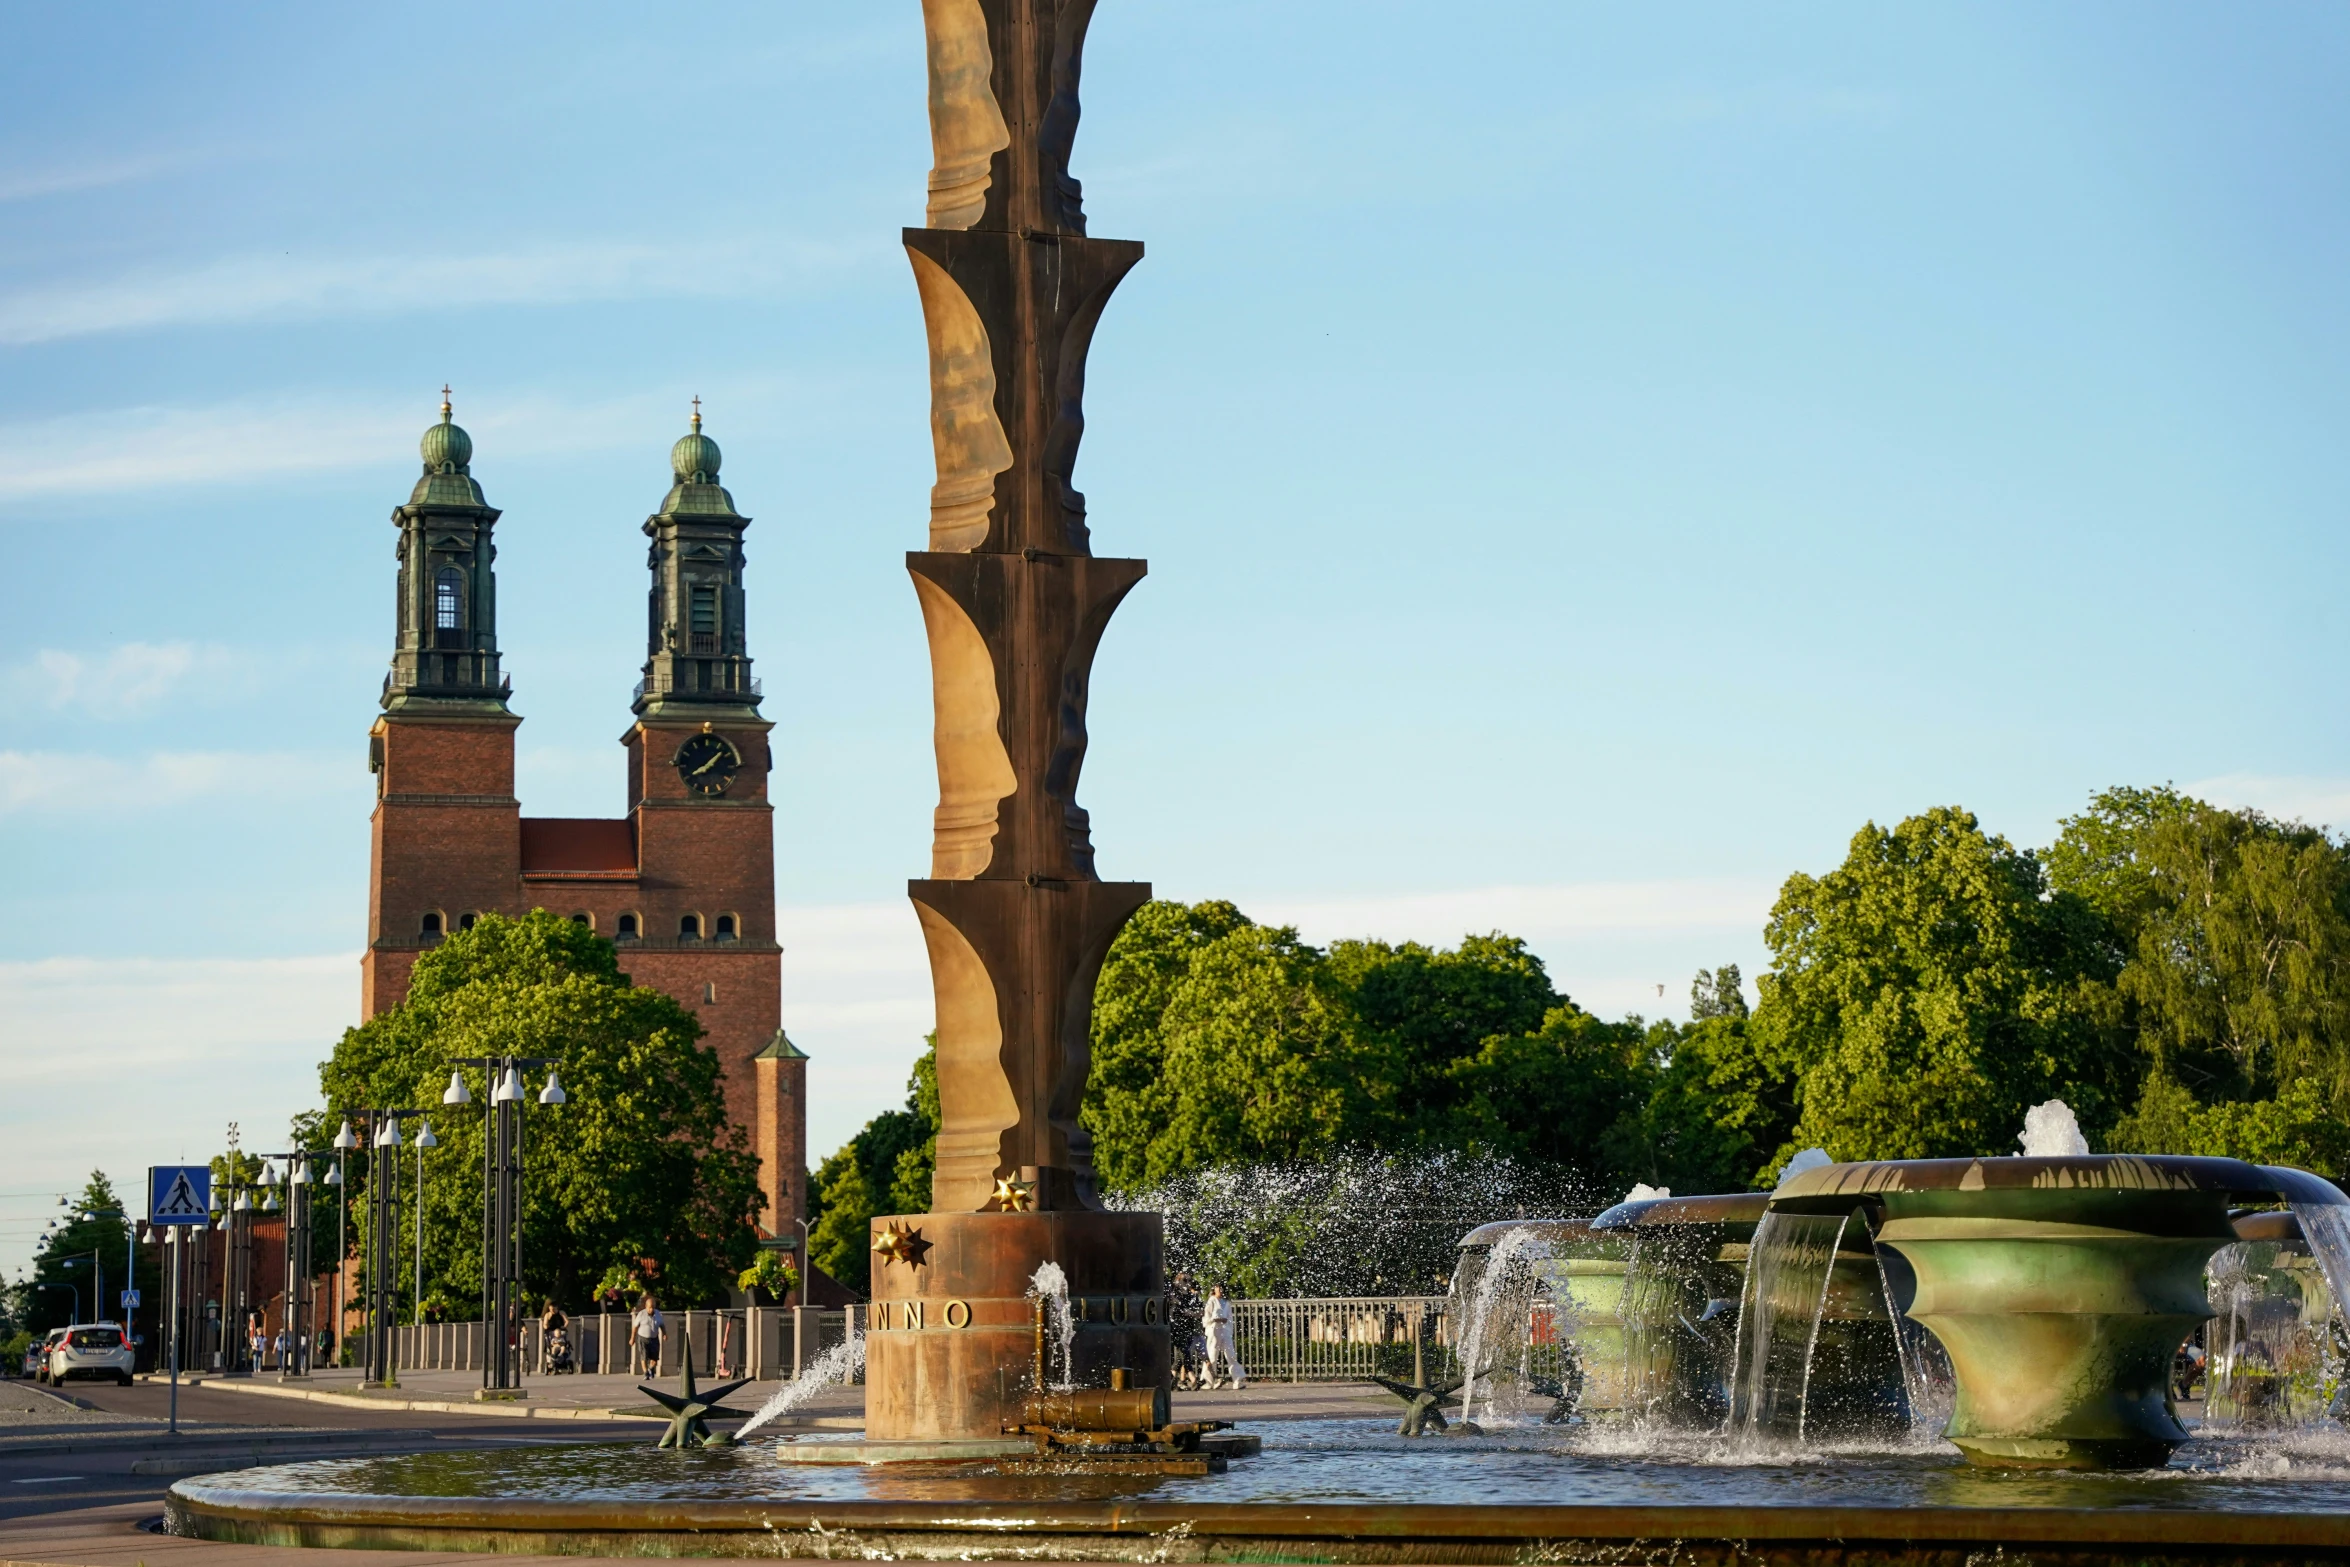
[450, 840]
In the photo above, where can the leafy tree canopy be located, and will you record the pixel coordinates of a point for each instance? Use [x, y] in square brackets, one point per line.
[640, 1171]
[1928, 991]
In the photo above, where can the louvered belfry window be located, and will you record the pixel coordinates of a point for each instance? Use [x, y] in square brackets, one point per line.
[705, 618]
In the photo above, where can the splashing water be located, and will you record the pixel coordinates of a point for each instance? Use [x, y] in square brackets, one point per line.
[835, 1366]
[2052, 1132]
[2271, 1364]
[1643, 1192]
[1498, 1320]
[1809, 1159]
[1050, 1285]
[1788, 1270]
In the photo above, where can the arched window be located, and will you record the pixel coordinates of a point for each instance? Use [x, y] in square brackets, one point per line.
[447, 591]
[726, 930]
[625, 928]
[430, 926]
[689, 927]
[465, 921]
[589, 920]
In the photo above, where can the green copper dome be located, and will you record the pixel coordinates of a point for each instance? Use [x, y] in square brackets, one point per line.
[694, 462]
[695, 458]
[447, 452]
[446, 446]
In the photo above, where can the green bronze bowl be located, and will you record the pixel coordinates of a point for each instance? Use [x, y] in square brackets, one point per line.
[2061, 1288]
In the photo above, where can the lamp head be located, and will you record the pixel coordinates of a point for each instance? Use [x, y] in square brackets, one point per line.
[334, 1177]
[456, 1093]
[270, 1205]
[424, 1136]
[346, 1139]
[509, 1087]
[389, 1135]
[553, 1093]
[301, 1176]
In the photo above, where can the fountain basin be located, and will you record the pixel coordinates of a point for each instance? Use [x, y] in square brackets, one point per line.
[2061, 1288]
[1324, 1491]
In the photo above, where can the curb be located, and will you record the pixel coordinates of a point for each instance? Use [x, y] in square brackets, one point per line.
[501, 1410]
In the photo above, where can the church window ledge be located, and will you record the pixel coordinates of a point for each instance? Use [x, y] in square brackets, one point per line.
[627, 927]
[465, 920]
[431, 926]
[689, 927]
[729, 928]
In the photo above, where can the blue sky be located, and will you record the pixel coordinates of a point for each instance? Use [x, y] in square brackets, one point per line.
[1591, 460]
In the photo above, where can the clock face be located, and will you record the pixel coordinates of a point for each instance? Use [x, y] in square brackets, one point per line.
[707, 763]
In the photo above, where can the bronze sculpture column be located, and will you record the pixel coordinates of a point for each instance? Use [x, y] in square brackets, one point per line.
[1014, 602]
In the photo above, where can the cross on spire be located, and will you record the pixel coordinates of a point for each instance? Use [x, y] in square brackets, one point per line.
[444, 400]
[697, 413]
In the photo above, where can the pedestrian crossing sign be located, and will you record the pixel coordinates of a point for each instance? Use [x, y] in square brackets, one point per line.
[179, 1194]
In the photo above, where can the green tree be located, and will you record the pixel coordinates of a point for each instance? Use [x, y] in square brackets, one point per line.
[1417, 1018]
[1553, 1095]
[641, 1170]
[1256, 1062]
[1720, 1105]
[1930, 990]
[884, 1169]
[89, 1242]
[2236, 930]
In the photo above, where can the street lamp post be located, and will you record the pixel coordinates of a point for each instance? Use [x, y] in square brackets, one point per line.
[424, 1140]
[345, 1141]
[501, 1176]
[72, 1289]
[383, 1243]
[299, 1328]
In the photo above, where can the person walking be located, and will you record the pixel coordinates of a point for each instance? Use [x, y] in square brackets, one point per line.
[1223, 1339]
[1184, 1330]
[647, 1329]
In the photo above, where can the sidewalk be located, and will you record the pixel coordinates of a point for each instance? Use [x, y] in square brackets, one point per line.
[826, 1409]
[579, 1397]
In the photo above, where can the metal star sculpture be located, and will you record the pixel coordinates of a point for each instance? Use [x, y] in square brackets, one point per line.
[1013, 1195]
[901, 1243]
[1420, 1402]
[688, 1408]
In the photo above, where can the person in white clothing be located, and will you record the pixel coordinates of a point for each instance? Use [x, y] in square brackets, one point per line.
[1223, 1344]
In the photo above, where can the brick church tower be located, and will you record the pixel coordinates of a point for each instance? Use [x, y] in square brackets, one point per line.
[684, 884]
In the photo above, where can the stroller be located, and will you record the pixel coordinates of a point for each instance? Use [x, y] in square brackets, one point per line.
[559, 1357]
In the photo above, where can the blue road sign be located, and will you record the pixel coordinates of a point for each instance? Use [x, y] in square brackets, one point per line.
[179, 1194]
[130, 1300]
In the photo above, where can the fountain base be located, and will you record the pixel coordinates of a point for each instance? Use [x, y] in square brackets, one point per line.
[954, 1332]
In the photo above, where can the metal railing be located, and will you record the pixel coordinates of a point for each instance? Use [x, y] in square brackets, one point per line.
[1342, 1338]
[770, 1343]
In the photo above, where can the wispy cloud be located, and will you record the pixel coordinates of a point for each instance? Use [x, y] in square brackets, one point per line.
[128, 681]
[76, 783]
[147, 447]
[24, 183]
[2318, 801]
[277, 288]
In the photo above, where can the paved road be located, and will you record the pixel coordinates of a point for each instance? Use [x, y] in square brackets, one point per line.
[33, 1484]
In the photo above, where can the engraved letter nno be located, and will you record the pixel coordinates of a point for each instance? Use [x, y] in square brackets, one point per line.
[1014, 602]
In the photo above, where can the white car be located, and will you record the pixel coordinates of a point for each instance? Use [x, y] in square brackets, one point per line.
[91, 1349]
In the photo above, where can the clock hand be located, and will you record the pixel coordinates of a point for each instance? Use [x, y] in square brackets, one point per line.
[715, 758]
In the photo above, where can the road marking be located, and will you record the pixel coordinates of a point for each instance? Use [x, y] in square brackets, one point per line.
[49, 1480]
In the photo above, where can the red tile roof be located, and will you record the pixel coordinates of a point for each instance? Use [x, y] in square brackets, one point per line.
[578, 846]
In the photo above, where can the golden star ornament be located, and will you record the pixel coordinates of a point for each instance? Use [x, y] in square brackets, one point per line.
[1013, 1195]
